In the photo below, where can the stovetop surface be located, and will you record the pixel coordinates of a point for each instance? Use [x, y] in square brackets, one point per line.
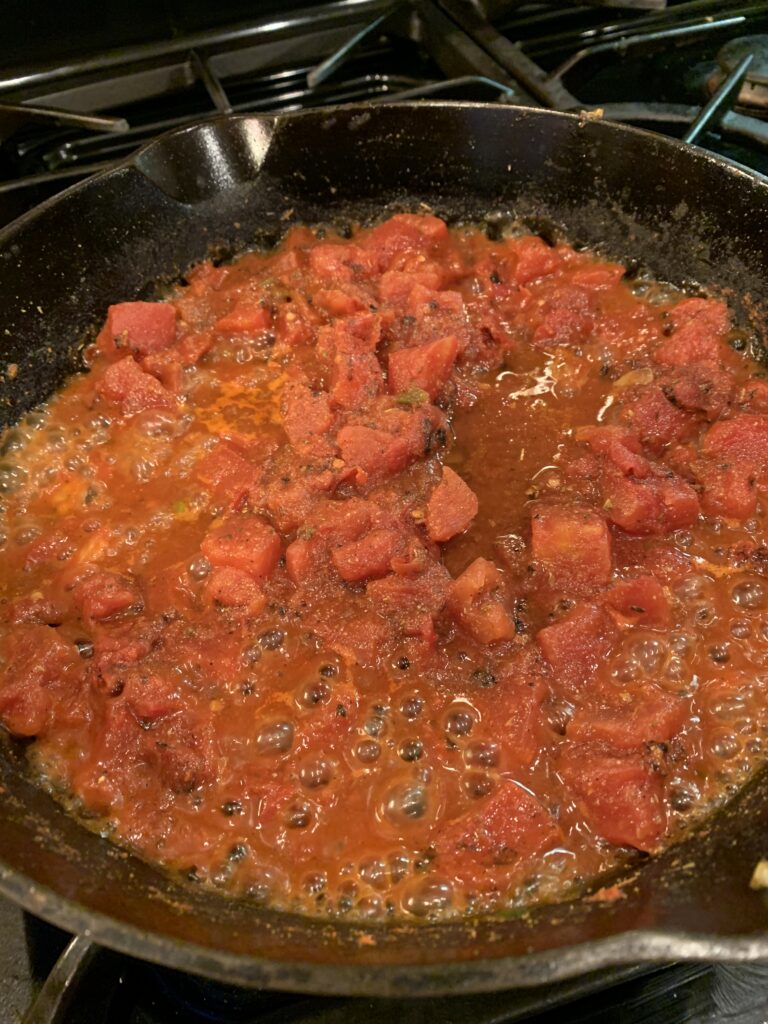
[117, 989]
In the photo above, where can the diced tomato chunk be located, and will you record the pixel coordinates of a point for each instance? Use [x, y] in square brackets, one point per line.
[572, 544]
[425, 366]
[533, 259]
[294, 325]
[656, 505]
[568, 318]
[575, 646]
[105, 594]
[754, 395]
[150, 697]
[597, 276]
[126, 384]
[451, 507]
[35, 659]
[629, 721]
[423, 303]
[338, 302]
[508, 828]
[138, 327]
[356, 379]
[742, 439]
[654, 420]
[728, 490]
[306, 416]
[169, 364]
[248, 316]
[412, 602]
[701, 387]
[476, 601]
[233, 588]
[367, 558]
[641, 601]
[396, 285]
[247, 543]
[700, 328]
[352, 336]
[339, 263]
[399, 236]
[621, 796]
[618, 445]
[231, 477]
[302, 558]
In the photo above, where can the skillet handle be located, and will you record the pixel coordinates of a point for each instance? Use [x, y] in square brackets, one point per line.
[61, 986]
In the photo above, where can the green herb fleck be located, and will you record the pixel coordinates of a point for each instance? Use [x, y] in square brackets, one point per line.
[179, 507]
[413, 396]
[306, 532]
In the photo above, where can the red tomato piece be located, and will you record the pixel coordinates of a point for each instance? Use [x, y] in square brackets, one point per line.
[248, 316]
[701, 387]
[247, 543]
[476, 602]
[138, 327]
[533, 259]
[168, 365]
[303, 558]
[597, 276]
[619, 446]
[572, 544]
[646, 716]
[182, 753]
[339, 263]
[150, 697]
[367, 558]
[753, 397]
[700, 326]
[231, 478]
[295, 324]
[742, 439]
[306, 416]
[390, 243]
[425, 366]
[575, 646]
[621, 796]
[35, 659]
[126, 384]
[656, 505]
[728, 490]
[654, 420]
[568, 318]
[425, 303]
[233, 588]
[356, 379]
[641, 601]
[395, 286]
[508, 828]
[409, 600]
[374, 453]
[451, 507]
[353, 336]
[338, 302]
[105, 594]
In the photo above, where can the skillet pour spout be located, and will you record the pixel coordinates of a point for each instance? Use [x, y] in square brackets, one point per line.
[239, 182]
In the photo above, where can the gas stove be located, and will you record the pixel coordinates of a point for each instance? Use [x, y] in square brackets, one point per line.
[83, 91]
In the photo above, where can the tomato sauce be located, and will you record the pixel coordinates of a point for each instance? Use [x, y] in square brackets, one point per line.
[405, 573]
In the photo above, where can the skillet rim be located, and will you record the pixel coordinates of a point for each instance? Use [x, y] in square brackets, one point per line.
[652, 945]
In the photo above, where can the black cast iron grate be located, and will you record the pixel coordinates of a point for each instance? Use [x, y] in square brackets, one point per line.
[647, 67]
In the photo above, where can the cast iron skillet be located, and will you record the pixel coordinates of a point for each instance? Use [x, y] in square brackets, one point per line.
[234, 182]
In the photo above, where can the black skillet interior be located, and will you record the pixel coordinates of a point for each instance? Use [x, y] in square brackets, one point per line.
[234, 183]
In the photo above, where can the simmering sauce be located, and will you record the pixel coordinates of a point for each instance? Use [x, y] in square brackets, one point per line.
[409, 573]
